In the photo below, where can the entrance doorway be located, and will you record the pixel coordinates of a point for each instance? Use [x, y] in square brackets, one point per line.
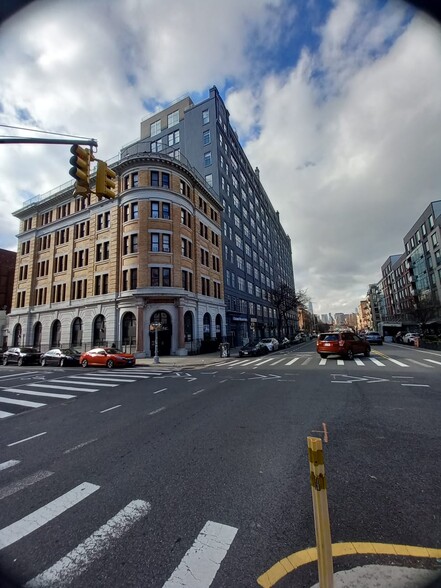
[164, 335]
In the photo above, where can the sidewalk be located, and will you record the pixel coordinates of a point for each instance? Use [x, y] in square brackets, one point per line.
[176, 361]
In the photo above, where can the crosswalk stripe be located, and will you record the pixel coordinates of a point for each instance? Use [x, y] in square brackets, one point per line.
[107, 379]
[20, 402]
[77, 561]
[11, 489]
[250, 362]
[397, 362]
[80, 383]
[420, 363]
[307, 360]
[358, 361]
[278, 361]
[376, 361]
[34, 393]
[237, 362]
[340, 362]
[202, 561]
[9, 464]
[264, 361]
[322, 362]
[433, 361]
[293, 361]
[41, 516]
[65, 388]
[4, 414]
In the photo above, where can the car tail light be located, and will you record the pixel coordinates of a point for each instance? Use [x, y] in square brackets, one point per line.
[341, 343]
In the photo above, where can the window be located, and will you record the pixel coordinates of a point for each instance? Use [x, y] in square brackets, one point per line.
[215, 238]
[241, 283]
[59, 293]
[23, 272]
[154, 276]
[46, 217]
[81, 230]
[206, 135]
[60, 265]
[165, 210]
[101, 284]
[250, 287]
[27, 224]
[154, 178]
[204, 257]
[155, 128]
[185, 218]
[21, 299]
[173, 119]
[205, 117]
[205, 286]
[209, 179]
[165, 180]
[40, 296]
[131, 211]
[166, 277]
[155, 242]
[239, 262]
[431, 225]
[207, 158]
[166, 243]
[187, 280]
[173, 138]
[434, 238]
[155, 210]
[423, 229]
[239, 242]
[185, 248]
[80, 258]
[184, 188]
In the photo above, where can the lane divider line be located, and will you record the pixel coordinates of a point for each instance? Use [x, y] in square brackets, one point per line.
[156, 411]
[300, 558]
[11, 489]
[111, 408]
[9, 464]
[161, 390]
[27, 439]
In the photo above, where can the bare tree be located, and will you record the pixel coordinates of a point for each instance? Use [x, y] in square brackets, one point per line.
[426, 309]
[285, 300]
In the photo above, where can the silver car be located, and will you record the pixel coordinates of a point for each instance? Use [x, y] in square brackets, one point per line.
[271, 343]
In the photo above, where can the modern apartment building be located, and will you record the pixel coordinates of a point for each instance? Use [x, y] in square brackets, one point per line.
[95, 272]
[256, 250]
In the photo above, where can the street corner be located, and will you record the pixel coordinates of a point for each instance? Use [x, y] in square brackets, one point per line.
[361, 564]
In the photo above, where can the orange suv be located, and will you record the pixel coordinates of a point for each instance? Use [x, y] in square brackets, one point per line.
[344, 343]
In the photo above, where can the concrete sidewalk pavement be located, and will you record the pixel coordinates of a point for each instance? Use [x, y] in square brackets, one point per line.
[176, 361]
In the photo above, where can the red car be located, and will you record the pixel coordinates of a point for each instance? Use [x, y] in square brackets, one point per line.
[107, 356]
[345, 344]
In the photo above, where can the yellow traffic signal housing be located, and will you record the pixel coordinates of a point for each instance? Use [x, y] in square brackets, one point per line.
[105, 181]
[80, 170]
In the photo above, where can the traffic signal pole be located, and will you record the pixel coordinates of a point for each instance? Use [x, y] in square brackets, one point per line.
[91, 142]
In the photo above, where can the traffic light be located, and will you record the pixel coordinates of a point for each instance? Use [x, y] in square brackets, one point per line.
[80, 162]
[105, 181]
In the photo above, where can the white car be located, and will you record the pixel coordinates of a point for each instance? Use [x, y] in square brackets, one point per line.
[271, 343]
[409, 338]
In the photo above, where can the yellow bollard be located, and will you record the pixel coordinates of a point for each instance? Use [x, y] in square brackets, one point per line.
[321, 512]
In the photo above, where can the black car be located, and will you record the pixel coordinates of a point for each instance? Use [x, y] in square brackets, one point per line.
[253, 349]
[61, 357]
[21, 356]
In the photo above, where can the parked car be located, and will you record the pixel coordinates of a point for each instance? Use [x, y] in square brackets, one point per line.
[344, 343]
[107, 356]
[300, 338]
[399, 337]
[61, 357]
[21, 356]
[409, 338]
[253, 349]
[271, 343]
[284, 343]
[374, 338]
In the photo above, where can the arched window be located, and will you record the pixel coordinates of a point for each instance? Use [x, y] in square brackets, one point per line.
[129, 329]
[207, 326]
[188, 325]
[77, 332]
[218, 327]
[56, 334]
[99, 330]
[16, 340]
[37, 335]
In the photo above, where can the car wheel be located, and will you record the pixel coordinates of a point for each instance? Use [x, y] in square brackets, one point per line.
[324, 355]
[43, 362]
[5, 361]
[350, 354]
[84, 363]
[61, 362]
[367, 352]
[110, 364]
[20, 361]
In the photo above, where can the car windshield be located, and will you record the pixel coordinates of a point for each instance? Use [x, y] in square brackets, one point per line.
[333, 337]
[112, 350]
[29, 350]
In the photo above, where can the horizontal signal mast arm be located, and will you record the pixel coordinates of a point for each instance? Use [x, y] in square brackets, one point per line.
[91, 142]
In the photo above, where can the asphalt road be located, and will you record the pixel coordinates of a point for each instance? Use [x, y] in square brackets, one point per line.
[200, 477]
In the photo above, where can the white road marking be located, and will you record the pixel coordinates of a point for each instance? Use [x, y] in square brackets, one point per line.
[65, 388]
[237, 362]
[77, 561]
[79, 446]
[200, 564]
[15, 375]
[262, 362]
[376, 361]
[161, 390]
[41, 516]
[420, 363]
[105, 379]
[88, 381]
[293, 361]
[198, 391]
[340, 362]
[433, 361]
[157, 410]
[223, 381]
[417, 385]
[35, 393]
[21, 402]
[401, 364]
[27, 439]
[307, 360]
[21, 484]
[9, 464]
[4, 414]
[111, 408]
[250, 362]
[358, 361]
[323, 361]
[278, 361]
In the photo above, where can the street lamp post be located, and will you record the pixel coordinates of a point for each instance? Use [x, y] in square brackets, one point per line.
[156, 327]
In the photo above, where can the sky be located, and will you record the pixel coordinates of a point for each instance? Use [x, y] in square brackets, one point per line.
[337, 103]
